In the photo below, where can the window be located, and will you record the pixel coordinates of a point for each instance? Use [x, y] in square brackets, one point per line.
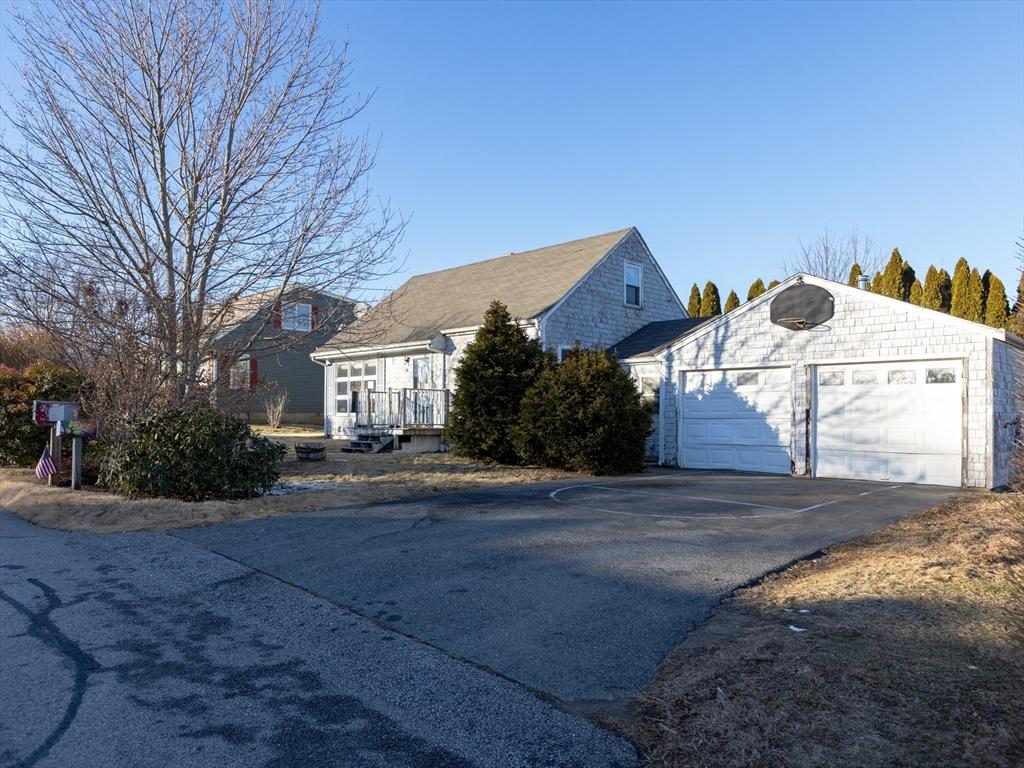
[351, 382]
[746, 379]
[940, 376]
[564, 352]
[832, 378]
[865, 377]
[650, 389]
[238, 377]
[902, 376]
[633, 275]
[297, 317]
[421, 378]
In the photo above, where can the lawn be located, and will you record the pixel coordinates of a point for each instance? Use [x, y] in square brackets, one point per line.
[891, 650]
[342, 479]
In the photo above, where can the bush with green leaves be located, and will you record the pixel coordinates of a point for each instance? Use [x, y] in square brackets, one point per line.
[193, 454]
[585, 414]
[21, 441]
[495, 371]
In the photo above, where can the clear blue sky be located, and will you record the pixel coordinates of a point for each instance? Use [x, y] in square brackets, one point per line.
[726, 132]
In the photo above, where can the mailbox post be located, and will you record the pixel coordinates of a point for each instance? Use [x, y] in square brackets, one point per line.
[48, 413]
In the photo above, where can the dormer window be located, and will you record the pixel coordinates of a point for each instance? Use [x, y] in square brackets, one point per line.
[297, 317]
[633, 280]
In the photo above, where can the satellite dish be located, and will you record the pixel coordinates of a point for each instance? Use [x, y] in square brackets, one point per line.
[438, 344]
[802, 307]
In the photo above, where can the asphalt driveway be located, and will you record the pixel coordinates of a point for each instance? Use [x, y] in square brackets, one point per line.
[574, 590]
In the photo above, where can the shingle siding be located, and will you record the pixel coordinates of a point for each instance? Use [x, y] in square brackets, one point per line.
[1008, 388]
[595, 313]
[865, 328]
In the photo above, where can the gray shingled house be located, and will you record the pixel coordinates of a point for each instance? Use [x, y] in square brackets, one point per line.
[265, 350]
[388, 376]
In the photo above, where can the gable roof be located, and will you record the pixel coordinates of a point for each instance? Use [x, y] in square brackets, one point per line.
[528, 283]
[832, 285]
[654, 337]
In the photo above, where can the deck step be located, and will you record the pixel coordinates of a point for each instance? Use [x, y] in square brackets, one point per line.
[369, 444]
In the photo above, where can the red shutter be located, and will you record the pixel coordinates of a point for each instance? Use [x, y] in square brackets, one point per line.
[277, 315]
[315, 314]
[224, 369]
[253, 373]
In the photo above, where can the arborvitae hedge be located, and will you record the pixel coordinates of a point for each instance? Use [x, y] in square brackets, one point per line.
[731, 301]
[997, 308]
[710, 302]
[693, 305]
[756, 289]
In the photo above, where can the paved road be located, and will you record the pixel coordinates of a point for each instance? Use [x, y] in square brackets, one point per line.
[144, 650]
[578, 592]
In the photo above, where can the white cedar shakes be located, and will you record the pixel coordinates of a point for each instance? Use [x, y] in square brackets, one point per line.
[866, 327]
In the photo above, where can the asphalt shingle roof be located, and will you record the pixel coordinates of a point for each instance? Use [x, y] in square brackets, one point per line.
[528, 283]
[654, 337]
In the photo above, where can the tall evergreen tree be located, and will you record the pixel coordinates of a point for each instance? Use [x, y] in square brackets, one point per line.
[693, 305]
[975, 306]
[756, 289]
[997, 309]
[916, 293]
[855, 272]
[772, 284]
[958, 305]
[877, 283]
[731, 302]
[897, 278]
[495, 371]
[710, 301]
[1017, 312]
[931, 297]
[945, 290]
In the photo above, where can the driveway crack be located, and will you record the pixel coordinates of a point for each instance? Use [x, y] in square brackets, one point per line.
[41, 627]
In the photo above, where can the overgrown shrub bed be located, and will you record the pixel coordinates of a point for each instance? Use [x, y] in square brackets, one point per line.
[193, 454]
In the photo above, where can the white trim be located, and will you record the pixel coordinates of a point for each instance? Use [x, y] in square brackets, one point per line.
[626, 266]
[661, 273]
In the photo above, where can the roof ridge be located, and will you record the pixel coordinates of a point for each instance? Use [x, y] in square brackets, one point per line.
[623, 232]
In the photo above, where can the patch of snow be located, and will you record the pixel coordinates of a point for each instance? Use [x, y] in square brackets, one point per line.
[793, 628]
[283, 489]
[803, 610]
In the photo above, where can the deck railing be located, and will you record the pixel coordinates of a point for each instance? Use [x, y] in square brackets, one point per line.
[402, 408]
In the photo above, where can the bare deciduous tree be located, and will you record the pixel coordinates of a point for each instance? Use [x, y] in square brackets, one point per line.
[831, 256]
[173, 157]
[274, 406]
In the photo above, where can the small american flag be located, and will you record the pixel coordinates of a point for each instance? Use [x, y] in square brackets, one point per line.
[45, 467]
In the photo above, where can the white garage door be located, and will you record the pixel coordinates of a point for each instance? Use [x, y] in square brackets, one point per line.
[894, 421]
[737, 420]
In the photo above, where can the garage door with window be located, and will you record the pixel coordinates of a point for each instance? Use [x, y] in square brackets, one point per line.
[738, 419]
[898, 421]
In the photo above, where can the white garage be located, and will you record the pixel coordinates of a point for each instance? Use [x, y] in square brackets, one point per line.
[880, 390]
[899, 420]
[737, 419]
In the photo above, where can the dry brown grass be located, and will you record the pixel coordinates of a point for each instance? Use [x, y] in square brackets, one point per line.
[356, 479]
[906, 660]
